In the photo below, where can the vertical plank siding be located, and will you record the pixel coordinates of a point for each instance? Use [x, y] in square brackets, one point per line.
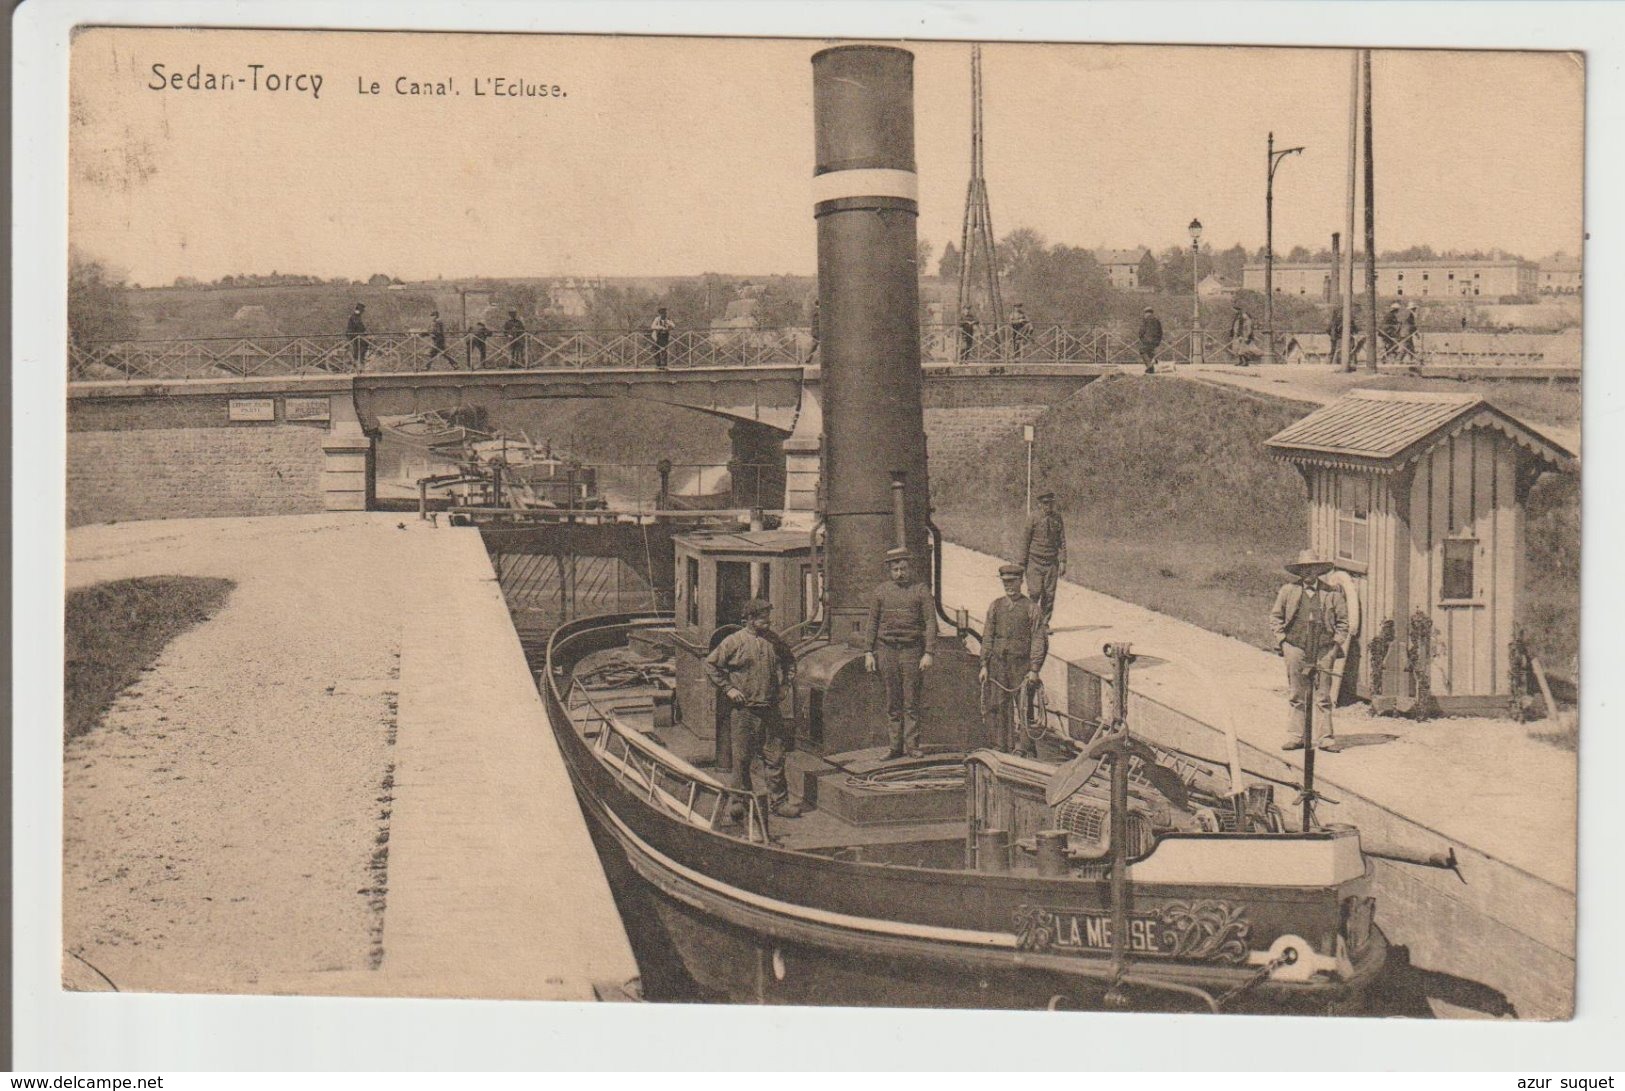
[1505, 571]
[1486, 679]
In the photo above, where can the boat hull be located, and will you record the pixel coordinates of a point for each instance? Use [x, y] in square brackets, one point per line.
[754, 923]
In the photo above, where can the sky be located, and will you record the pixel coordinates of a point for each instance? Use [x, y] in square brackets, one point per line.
[680, 156]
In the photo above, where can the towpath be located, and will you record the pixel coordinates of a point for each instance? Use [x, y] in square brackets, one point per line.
[343, 783]
[1478, 782]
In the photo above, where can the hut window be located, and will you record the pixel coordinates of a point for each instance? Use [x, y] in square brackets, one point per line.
[692, 589]
[1354, 520]
[1458, 568]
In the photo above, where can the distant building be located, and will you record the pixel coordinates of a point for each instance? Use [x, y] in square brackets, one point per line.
[1122, 266]
[1214, 285]
[573, 296]
[1559, 275]
[1441, 278]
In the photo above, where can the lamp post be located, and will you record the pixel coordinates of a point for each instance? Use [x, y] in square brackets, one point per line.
[1275, 158]
[1196, 297]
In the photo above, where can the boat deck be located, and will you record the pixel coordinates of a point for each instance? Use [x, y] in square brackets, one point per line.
[927, 841]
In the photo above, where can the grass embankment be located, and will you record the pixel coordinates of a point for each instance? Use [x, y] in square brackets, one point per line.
[1171, 502]
[115, 631]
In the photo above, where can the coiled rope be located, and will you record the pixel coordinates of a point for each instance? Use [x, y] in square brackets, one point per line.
[1031, 713]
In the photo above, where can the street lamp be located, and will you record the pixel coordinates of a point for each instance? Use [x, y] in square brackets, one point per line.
[1196, 298]
[1275, 158]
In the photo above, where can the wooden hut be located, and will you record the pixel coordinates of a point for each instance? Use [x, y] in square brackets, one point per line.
[1420, 498]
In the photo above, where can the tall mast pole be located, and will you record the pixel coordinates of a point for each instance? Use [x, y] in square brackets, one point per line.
[1346, 273]
[1370, 220]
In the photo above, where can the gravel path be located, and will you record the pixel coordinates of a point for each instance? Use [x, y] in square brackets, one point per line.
[224, 825]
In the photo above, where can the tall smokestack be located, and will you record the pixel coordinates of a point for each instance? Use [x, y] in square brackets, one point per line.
[864, 199]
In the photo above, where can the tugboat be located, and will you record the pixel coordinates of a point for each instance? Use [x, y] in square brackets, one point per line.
[1105, 871]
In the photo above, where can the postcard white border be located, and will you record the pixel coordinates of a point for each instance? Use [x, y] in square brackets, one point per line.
[64, 1032]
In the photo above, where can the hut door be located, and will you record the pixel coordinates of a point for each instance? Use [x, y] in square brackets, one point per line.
[1462, 611]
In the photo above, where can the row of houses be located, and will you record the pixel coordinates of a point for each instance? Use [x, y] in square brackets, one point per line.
[1438, 278]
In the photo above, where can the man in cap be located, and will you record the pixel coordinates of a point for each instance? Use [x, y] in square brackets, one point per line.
[902, 641]
[476, 343]
[356, 330]
[514, 330]
[437, 342]
[1150, 338]
[1310, 622]
[1015, 642]
[751, 666]
[1043, 554]
[1388, 330]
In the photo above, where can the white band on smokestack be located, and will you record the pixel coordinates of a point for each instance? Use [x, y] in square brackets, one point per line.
[866, 182]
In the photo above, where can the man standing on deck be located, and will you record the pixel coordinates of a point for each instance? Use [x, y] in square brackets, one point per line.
[1310, 621]
[1014, 645]
[748, 666]
[902, 641]
[1043, 554]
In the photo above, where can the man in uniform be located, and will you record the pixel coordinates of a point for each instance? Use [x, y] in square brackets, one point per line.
[902, 640]
[1310, 621]
[1043, 554]
[748, 666]
[1015, 643]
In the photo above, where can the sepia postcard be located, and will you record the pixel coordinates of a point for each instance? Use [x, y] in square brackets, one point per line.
[840, 521]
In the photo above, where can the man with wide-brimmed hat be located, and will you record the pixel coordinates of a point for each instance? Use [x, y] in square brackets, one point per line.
[1310, 622]
[902, 641]
[1015, 642]
[751, 666]
[1043, 553]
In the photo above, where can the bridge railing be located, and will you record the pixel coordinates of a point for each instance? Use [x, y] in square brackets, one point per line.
[414, 351]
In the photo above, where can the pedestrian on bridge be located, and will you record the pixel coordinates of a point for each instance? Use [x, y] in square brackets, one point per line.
[660, 336]
[1243, 349]
[1043, 554]
[1021, 329]
[356, 331]
[476, 342]
[1407, 333]
[967, 332]
[437, 343]
[1150, 339]
[514, 330]
[1389, 332]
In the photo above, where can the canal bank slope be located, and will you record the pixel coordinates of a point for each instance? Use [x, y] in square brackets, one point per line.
[341, 784]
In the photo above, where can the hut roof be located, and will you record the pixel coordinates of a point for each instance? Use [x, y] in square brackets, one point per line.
[1386, 429]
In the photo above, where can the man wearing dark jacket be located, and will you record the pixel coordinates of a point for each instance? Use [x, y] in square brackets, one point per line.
[514, 330]
[1150, 338]
[1310, 622]
[356, 330]
[1015, 642]
[902, 640]
[750, 666]
[437, 342]
[1043, 553]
